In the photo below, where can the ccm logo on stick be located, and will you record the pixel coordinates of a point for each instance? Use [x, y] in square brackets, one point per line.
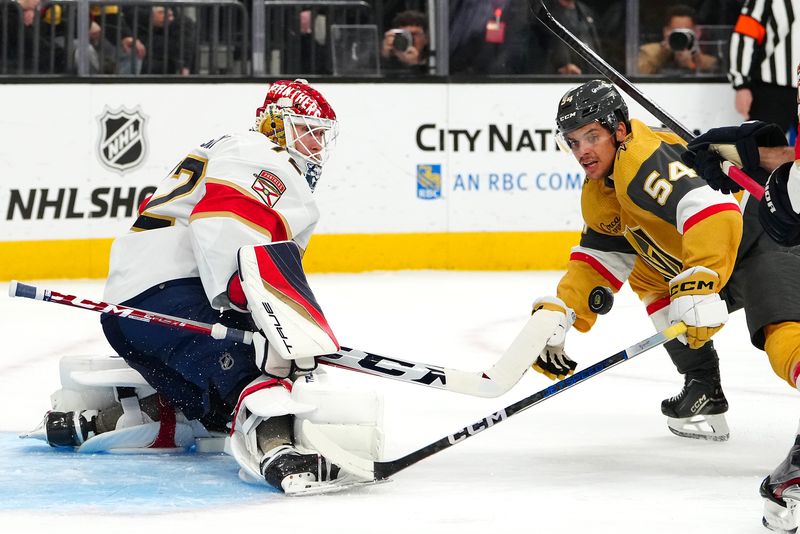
[477, 427]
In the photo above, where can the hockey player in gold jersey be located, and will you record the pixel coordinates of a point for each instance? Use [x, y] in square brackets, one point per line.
[690, 254]
[653, 221]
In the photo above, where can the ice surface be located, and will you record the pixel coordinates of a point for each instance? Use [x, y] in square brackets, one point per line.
[596, 458]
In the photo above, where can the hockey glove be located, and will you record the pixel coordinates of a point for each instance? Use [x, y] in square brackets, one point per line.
[779, 210]
[553, 362]
[737, 144]
[694, 299]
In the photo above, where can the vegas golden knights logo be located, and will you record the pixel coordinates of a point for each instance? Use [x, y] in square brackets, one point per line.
[121, 145]
[667, 265]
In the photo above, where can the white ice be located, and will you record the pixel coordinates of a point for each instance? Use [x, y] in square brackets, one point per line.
[595, 458]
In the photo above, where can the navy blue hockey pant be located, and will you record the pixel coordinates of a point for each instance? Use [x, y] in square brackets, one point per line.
[194, 372]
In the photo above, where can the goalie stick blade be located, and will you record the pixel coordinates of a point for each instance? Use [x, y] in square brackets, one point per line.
[523, 350]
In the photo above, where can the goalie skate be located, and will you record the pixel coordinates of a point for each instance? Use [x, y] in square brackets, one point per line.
[299, 474]
[698, 411]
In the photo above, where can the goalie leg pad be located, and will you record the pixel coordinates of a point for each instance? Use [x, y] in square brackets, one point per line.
[282, 303]
[351, 418]
[97, 410]
[264, 399]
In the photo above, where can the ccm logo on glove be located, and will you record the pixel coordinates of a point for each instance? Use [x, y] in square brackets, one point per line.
[694, 286]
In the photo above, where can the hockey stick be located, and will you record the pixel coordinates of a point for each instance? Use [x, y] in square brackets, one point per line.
[503, 375]
[379, 470]
[541, 12]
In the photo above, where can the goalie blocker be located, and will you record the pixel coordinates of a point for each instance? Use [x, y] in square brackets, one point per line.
[271, 284]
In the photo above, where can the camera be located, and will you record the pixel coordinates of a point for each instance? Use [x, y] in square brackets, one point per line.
[402, 40]
[682, 39]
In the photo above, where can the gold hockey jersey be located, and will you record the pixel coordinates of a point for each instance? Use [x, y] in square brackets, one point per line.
[653, 218]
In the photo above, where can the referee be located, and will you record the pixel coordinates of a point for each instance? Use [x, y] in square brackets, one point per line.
[764, 56]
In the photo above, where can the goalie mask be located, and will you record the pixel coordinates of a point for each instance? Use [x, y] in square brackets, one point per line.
[298, 118]
[594, 101]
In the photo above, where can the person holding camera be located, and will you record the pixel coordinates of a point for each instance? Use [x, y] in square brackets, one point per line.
[679, 51]
[405, 45]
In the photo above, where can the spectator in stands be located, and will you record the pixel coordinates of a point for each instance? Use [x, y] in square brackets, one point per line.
[130, 51]
[580, 20]
[482, 35]
[172, 42]
[405, 46]
[21, 21]
[679, 51]
[102, 54]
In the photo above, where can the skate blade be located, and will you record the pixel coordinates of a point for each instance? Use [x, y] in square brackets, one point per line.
[333, 487]
[37, 433]
[708, 427]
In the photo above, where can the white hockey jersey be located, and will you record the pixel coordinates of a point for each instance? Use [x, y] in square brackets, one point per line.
[233, 191]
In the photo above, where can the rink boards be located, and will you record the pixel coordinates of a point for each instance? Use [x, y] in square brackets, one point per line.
[456, 176]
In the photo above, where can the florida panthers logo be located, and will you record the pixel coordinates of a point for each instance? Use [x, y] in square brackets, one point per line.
[121, 145]
[268, 187]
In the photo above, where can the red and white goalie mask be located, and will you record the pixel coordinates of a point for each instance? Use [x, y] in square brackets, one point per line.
[297, 117]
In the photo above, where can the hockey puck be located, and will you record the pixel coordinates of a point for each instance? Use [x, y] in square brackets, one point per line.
[601, 299]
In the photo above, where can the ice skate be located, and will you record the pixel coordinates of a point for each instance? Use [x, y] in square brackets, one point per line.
[781, 492]
[64, 429]
[297, 474]
[698, 411]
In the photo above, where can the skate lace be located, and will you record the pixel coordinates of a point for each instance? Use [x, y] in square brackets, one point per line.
[679, 397]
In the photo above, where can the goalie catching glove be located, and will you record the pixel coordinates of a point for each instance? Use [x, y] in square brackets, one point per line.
[271, 284]
[553, 362]
[694, 299]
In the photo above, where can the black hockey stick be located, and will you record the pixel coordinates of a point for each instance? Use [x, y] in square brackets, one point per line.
[541, 12]
[497, 380]
[380, 470]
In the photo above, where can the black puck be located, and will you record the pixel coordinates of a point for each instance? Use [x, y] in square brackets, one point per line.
[601, 299]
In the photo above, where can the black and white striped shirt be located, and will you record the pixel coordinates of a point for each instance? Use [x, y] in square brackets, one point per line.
[765, 44]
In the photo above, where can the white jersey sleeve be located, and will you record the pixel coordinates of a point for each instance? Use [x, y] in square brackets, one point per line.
[234, 191]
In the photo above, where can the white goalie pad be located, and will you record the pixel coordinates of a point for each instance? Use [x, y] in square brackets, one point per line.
[281, 302]
[90, 384]
[263, 398]
[351, 418]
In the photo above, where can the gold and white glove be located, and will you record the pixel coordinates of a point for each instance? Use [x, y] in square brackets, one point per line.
[694, 299]
[553, 361]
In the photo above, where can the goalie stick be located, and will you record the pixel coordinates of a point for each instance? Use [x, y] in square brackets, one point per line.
[502, 376]
[380, 470]
[541, 12]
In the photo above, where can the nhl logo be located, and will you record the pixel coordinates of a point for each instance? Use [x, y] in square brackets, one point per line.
[226, 361]
[121, 145]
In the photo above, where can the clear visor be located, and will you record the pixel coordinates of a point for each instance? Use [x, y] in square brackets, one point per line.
[572, 142]
[310, 138]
